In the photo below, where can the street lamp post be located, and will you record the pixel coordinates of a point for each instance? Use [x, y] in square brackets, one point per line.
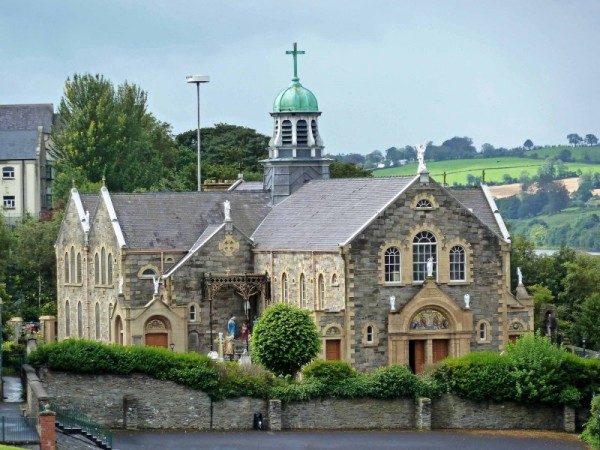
[197, 80]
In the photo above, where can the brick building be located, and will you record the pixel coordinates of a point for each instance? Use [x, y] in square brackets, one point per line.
[394, 270]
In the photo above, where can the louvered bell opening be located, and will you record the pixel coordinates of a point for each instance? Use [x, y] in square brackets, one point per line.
[301, 133]
[315, 132]
[286, 132]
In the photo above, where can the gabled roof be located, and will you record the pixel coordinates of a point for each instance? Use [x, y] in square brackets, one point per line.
[175, 220]
[322, 214]
[26, 117]
[476, 200]
[19, 144]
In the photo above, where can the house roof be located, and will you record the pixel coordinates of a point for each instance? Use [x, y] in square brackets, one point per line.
[476, 200]
[26, 117]
[175, 220]
[324, 213]
[18, 144]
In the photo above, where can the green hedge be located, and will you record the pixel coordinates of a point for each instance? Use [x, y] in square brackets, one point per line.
[531, 370]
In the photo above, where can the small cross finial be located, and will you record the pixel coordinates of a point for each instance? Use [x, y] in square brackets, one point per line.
[445, 174]
[483, 176]
[73, 180]
[103, 181]
[295, 54]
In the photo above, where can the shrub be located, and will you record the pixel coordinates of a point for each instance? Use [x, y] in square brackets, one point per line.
[478, 376]
[285, 338]
[590, 430]
[329, 372]
[392, 382]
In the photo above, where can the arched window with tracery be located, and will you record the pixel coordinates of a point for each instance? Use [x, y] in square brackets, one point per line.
[392, 265]
[457, 264]
[103, 266]
[96, 269]
[109, 269]
[321, 291]
[67, 319]
[66, 265]
[303, 300]
[284, 288]
[97, 320]
[79, 267]
[424, 248]
[73, 269]
[79, 320]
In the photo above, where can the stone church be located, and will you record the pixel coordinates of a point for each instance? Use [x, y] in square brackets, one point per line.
[399, 270]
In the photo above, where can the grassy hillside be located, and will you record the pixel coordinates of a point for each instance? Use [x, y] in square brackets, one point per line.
[580, 154]
[458, 169]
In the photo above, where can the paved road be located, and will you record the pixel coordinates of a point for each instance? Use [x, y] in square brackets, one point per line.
[261, 440]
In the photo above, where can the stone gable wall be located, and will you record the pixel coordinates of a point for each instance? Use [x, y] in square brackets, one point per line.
[399, 222]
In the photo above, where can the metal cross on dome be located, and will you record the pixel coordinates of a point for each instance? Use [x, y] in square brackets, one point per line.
[295, 54]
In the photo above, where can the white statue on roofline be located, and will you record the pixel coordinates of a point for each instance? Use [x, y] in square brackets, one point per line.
[156, 281]
[420, 148]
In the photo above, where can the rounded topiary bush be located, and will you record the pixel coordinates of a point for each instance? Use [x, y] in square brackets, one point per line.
[285, 338]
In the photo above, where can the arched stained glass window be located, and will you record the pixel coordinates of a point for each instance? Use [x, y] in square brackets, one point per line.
[79, 268]
[103, 266]
[79, 320]
[66, 265]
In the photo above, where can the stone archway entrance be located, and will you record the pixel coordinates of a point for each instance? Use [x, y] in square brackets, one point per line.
[156, 332]
[428, 329]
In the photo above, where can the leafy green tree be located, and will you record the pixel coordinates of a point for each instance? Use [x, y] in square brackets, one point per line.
[373, 159]
[339, 169]
[107, 132]
[586, 323]
[574, 139]
[584, 191]
[581, 281]
[285, 338]
[528, 144]
[591, 139]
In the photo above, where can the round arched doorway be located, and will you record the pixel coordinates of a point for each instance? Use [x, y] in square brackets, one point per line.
[119, 330]
[157, 332]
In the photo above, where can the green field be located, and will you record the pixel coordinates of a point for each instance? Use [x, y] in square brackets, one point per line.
[458, 169]
[583, 154]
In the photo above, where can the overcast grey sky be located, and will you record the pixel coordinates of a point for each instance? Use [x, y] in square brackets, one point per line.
[385, 73]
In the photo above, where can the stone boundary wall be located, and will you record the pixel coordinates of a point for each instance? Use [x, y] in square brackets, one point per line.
[137, 401]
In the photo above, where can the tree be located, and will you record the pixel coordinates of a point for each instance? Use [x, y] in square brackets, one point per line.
[107, 132]
[528, 144]
[339, 169]
[586, 324]
[373, 159]
[284, 339]
[591, 139]
[574, 139]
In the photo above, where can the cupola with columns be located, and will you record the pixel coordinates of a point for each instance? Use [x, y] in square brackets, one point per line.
[296, 148]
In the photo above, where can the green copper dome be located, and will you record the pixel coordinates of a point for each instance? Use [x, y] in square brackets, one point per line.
[295, 98]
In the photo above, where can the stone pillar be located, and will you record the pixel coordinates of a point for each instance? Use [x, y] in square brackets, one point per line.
[47, 430]
[568, 419]
[16, 323]
[424, 414]
[130, 412]
[47, 324]
[274, 415]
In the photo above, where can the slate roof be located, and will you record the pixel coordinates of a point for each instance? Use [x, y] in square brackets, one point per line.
[19, 144]
[474, 198]
[26, 117]
[247, 186]
[324, 213]
[175, 220]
